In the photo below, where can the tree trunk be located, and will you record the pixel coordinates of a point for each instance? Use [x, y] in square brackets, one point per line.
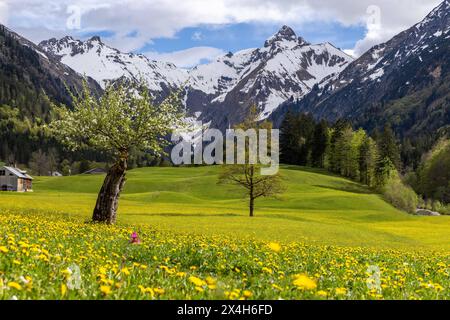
[108, 199]
[252, 206]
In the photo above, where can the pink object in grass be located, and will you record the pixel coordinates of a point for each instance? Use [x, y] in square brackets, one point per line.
[135, 238]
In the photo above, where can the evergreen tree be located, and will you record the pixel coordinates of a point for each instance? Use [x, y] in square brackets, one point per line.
[288, 139]
[335, 154]
[387, 146]
[320, 144]
[367, 161]
[306, 127]
[384, 171]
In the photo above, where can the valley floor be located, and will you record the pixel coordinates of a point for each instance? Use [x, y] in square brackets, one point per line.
[325, 238]
[316, 208]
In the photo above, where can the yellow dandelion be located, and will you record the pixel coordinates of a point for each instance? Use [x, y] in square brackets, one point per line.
[159, 291]
[14, 285]
[4, 249]
[341, 291]
[105, 290]
[210, 280]
[63, 289]
[303, 282]
[125, 271]
[322, 293]
[197, 281]
[276, 247]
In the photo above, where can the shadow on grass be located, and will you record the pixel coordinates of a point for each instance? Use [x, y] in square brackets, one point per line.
[186, 214]
[348, 187]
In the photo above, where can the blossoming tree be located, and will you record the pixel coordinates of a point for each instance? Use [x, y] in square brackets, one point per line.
[124, 118]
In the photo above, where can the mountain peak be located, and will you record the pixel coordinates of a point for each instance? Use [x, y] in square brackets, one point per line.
[95, 39]
[286, 33]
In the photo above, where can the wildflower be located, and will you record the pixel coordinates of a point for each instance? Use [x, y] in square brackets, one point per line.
[135, 238]
[277, 287]
[341, 291]
[4, 249]
[105, 290]
[63, 289]
[210, 280]
[159, 291]
[14, 285]
[275, 247]
[247, 294]
[197, 281]
[304, 282]
[125, 271]
[145, 290]
[267, 270]
[322, 293]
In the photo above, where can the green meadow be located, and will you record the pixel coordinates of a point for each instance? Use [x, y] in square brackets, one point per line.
[317, 208]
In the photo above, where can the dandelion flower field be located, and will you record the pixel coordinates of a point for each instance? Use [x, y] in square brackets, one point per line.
[182, 236]
[50, 257]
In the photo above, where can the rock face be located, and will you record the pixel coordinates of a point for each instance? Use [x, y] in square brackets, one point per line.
[287, 67]
[423, 212]
[403, 81]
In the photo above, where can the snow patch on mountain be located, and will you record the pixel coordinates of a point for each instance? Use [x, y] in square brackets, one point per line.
[286, 67]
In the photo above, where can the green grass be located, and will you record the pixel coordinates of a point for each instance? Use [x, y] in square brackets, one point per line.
[46, 256]
[316, 208]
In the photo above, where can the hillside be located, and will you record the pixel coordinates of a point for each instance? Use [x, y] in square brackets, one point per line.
[29, 81]
[317, 207]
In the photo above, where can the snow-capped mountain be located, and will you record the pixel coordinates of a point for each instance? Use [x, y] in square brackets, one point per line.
[104, 64]
[403, 82]
[285, 67]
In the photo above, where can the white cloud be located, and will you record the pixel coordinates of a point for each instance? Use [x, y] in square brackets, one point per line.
[187, 58]
[350, 52]
[150, 19]
[4, 12]
[197, 36]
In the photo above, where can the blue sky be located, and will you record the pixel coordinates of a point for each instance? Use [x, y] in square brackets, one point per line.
[189, 32]
[235, 37]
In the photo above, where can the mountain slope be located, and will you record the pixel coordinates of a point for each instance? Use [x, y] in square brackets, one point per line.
[29, 78]
[221, 91]
[105, 64]
[27, 72]
[404, 81]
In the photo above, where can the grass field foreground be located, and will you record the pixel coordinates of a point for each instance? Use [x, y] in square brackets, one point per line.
[46, 256]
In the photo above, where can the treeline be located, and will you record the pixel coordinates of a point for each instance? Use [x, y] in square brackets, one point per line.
[372, 160]
[27, 143]
[432, 178]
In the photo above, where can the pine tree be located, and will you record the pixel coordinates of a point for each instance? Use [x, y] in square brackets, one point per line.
[388, 148]
[335, 154]
[320, 144]
[306, 127]
[289, 139]
[367, 161]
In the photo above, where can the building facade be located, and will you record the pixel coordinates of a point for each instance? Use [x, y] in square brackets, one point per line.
[14, 179]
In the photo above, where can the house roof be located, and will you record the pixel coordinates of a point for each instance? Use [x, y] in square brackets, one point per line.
[95, 171]
[18, 173]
